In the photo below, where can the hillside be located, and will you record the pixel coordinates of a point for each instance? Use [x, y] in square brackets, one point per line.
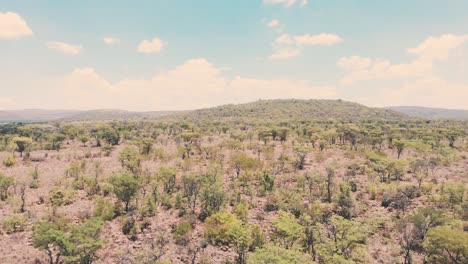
[114, 114]
[293, 109]
[431, 113]
[286, 109]
[39, 115]
[35, 114]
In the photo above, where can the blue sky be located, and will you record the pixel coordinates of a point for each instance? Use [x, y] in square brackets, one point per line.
[206, 53]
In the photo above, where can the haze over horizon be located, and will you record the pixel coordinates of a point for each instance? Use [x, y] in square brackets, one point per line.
[154, 55]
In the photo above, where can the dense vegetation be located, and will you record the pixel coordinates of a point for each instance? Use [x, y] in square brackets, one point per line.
[293, 109]
[284, 181]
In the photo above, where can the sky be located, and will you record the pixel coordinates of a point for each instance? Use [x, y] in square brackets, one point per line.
[180, 54]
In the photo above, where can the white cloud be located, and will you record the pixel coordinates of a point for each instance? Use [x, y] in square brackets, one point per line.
[110, 40]
[383, 69]
[194, 84]
[438, 48]
[285, 53]
[13, 26]
[64, 47]
[287, 46]
[286, 3]
[430, 50]
[150, 46]
[307, 39]
[354, 63]
[273, 23]
[320, 39]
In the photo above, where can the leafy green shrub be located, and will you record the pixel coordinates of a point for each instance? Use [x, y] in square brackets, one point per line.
[13, 224]
[75, 243]
[104, 209]
[106, 188]
[125, 188]
[446, 245]
[242, 211]
[218, 228]
[286, 229]
[148, 208]
[257, 236]
[59, 197]
[182, 232]
[9, 160]
[401, 197]
[278, 255]
[5, 183]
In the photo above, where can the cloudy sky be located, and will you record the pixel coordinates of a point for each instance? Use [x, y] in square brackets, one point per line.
[180, 54]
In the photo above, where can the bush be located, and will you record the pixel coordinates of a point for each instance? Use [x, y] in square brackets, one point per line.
[278, 255]
[106, 188]
[5, 183]
[59, 197]
[9, 161]
[218, 228]
[13, 224]
[104, 209]
[182, 232]
[400, 198]
[129, 228]
[258, 237]
[242, 211]
[149, 207]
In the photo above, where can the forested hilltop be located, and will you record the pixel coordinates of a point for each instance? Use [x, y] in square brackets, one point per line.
[276, 181]
[294, 109]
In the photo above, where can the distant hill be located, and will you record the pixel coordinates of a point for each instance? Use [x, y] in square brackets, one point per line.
[114, 114]
[262, 110]
[293, 109]
[431, 113]
[41, 115]
[35, 114]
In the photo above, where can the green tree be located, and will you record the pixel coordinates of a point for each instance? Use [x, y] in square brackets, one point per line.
[109, 134]
[167, 176]
[52, 239]
[286, 230]
[301, 155]
[400, 146]
[130, 160]
[446, 245]
[5, 183]
[145, 145]
[75, 244]
[85, 242]
[125, 188]
[330, 183]
[219, 226]
[191, 185]
[227, 229]
[345, 201]
[241, 241]
[344, 242]
[242, 161]
[22, 143]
